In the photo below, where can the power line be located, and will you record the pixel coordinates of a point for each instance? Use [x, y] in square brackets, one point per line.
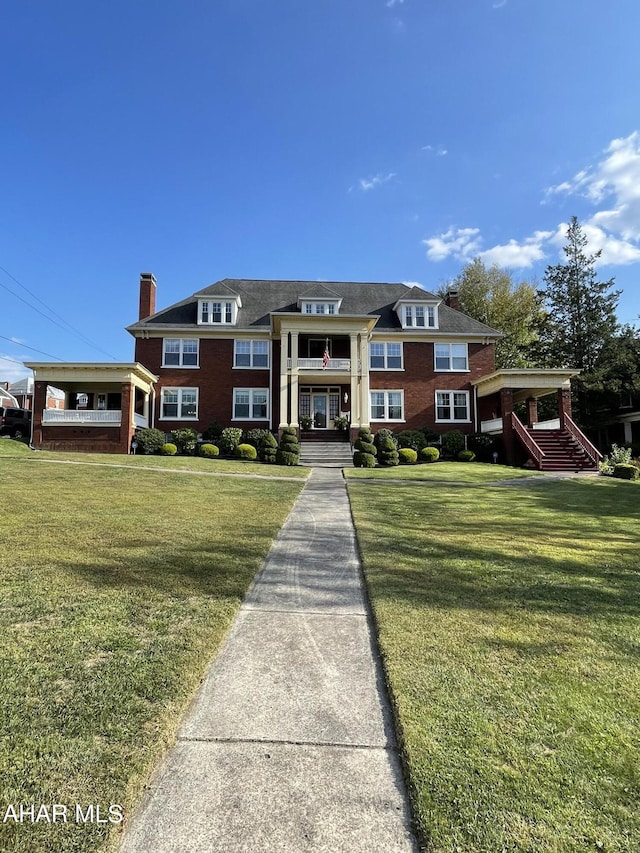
[68, 325]
[31, 348]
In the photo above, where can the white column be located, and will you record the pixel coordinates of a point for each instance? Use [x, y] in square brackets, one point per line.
[627, 432]
[353, 396]
[284, 379]
[364, 384]
[294, 379]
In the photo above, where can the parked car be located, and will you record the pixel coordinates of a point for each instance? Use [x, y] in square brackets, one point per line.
[15, 422]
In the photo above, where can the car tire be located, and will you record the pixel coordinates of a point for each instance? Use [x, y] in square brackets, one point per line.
[18, 432]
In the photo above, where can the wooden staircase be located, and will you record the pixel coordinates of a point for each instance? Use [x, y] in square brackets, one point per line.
[561, 451]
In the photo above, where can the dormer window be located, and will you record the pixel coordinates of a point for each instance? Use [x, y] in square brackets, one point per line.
[418, 316]
[218, 311]
[313, 307]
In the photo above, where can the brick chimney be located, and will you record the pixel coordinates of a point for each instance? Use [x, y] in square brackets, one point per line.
[451, 299]
[147, 295]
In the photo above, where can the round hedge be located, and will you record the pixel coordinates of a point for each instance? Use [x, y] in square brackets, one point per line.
[429, 454]
[624, 471]
[466, 456]
[407, 456]
[246, 451]
[209, 451]
[168, 449]
[364, 460]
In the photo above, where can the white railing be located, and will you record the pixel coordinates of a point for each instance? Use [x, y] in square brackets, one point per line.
[552, 424]
[318, 364]
[140, 421]
[493, 425]
[82, 416]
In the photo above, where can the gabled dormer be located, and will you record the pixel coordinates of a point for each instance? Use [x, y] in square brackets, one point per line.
[219, 307]
[319, 300]
[417, 309]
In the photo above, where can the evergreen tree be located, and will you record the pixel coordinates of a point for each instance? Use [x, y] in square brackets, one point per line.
[581, 324]
[492, 297]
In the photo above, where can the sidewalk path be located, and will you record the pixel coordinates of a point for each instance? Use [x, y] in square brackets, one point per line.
[289, 744]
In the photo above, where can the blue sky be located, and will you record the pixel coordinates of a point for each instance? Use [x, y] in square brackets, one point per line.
[367, 140]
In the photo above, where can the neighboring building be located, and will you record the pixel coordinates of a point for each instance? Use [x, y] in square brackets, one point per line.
[266, 353]
[6, 397]
[22, 390]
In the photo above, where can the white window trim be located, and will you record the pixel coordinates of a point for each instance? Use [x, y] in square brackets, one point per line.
[251, 366]
[450, 369]
[412, 325]
[386, 392]
[178, 417]
[385, 345]
[309, 307]
[224, 300]
[452, 391]
[250, 392]
[181, 354]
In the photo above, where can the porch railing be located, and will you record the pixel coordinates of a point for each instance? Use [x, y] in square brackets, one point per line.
[82, 416]
[140, 421]
[592, 452]
[317, 364]
[534, 450]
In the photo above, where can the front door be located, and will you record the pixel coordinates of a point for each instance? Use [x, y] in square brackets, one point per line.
[319, 410]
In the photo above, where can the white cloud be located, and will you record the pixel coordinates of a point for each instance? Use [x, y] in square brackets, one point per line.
[371, 183]
[462, 243]
[10, 371]
[391, 3]
[438, 150]
[613, 183]
[500, 4]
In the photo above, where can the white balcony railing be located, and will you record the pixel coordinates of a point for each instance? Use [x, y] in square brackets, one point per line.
[318, 364]
[493, 425]
[140, 421]
[88, 417]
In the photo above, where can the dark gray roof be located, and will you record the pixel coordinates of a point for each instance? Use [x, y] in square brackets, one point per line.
[262, 298]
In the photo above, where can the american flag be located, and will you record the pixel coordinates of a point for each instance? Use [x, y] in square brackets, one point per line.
[325, 358]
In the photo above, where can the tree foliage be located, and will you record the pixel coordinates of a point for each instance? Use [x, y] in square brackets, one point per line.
[492, 297]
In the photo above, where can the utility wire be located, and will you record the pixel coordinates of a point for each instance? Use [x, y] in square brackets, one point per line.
[19, 344]
[68, 325]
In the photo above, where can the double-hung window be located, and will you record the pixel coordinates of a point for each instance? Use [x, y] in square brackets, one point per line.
[218, 311]
[452, 406]
[250, 404]
[419, 316]
[180, 352]
[179, 404]
[385, 356]
[452, 357]
[387, 406]
[251, 354]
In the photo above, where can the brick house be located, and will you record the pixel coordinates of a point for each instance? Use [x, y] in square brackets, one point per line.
[268, 353]
[271, 354]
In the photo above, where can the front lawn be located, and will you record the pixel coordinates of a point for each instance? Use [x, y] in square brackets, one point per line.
[443, 472]
[173, 463]
[117, 588]
[508, 623]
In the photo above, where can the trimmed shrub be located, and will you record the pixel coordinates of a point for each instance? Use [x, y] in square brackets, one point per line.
[246, 451]
[407, 456]
[412, 438]
[290, 431]
[365, 435]
[365, 447]
[150, 440]
[385, 433]
[364, 460]
[452, 443]
[212, 432]
[256, 436]
[430, 435]
[284, 457]
[168, 449]
[483, 445]
[466, 456]
[210, 451]
[387, 453]
[185, 440]
[618, 456]
[229, 440]
[626, 471]
[429, 454]
[267, 449]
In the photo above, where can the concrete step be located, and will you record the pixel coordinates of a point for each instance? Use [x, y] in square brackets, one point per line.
[328, 454]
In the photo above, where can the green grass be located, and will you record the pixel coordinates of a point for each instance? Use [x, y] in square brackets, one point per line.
[443, 472]
[173, 463]
[508, 623]
[117, 587]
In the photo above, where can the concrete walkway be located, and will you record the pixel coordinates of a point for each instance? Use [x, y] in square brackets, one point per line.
[288, 745]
